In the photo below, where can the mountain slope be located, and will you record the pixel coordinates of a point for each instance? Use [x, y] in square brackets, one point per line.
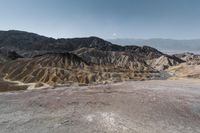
[26, 43]
[8, 55]
[120, 59]
[190, 58]
[48, 68]
[30, 44]
[67, 68]
[189, 69]
[164, 62]
[76, 60]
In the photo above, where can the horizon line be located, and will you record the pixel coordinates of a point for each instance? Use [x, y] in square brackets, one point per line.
[129, 38]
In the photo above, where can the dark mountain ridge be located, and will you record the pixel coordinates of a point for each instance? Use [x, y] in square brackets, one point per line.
[30, 44]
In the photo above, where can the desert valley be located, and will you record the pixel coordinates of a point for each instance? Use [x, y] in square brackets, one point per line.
[28, 58]
[91, 85]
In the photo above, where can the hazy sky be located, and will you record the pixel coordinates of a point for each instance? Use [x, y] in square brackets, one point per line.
[178, 19]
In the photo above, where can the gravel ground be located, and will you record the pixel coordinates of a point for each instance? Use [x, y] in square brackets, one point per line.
[167, 106]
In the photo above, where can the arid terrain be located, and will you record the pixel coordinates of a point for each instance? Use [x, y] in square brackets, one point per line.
[89, 85]
[100, 66]
[31, 58]
[167, 106]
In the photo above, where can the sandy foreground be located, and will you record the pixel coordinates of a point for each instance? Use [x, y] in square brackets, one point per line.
[168, 106]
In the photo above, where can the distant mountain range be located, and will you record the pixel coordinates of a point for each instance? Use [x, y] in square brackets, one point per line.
[164, 45]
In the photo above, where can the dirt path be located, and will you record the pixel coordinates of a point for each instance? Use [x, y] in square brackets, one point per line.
[130, 107]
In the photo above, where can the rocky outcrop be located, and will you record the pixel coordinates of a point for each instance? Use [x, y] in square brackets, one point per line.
[115, 58]
[189, 69]
[190, 58]
[8, 55]
[185, 71]
[164, 62]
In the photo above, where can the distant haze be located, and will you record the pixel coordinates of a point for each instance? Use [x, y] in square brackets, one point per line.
[165, 45]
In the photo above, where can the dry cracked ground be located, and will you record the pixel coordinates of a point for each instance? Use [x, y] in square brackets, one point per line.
[168, 106]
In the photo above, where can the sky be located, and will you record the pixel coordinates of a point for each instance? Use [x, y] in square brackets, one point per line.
[176, 19]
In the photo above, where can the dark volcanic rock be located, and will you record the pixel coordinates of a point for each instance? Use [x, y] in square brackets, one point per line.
[6, 55]
[30, 44]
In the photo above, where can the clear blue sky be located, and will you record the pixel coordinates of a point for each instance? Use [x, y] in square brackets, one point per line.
[178, 19]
